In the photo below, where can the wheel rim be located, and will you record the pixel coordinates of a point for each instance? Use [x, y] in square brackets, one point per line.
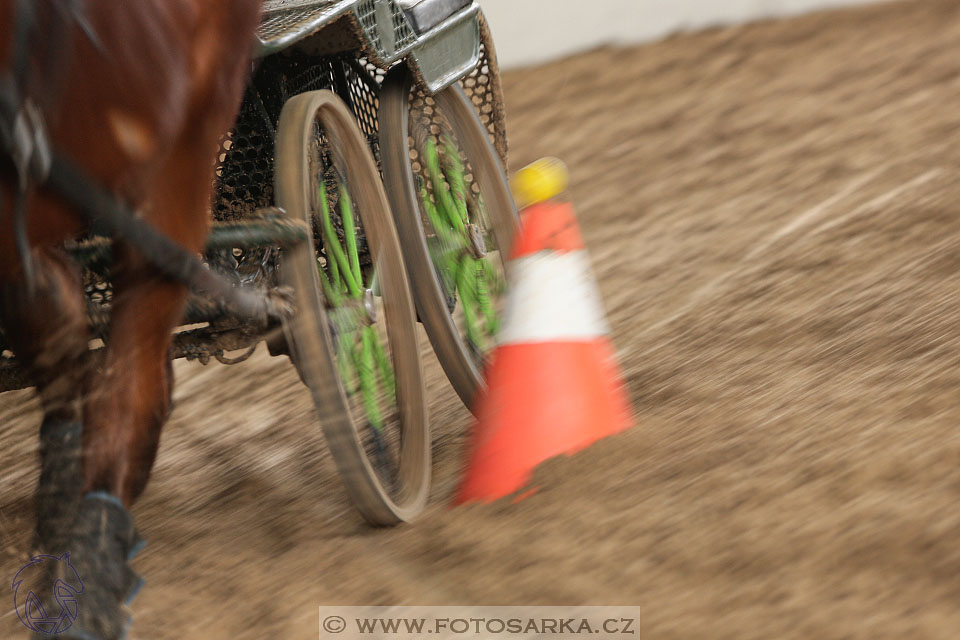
[456, 219]
[376, 427]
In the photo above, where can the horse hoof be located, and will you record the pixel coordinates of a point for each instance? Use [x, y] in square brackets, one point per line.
[101, 545]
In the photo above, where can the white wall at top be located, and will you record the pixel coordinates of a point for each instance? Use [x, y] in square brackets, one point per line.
[532, 31]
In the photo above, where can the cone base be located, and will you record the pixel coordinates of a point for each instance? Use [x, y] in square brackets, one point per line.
[542, 400]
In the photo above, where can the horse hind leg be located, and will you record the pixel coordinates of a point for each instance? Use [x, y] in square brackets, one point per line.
[48, 332]
[125, 402]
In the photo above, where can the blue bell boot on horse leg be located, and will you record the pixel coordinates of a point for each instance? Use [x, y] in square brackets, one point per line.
[102, 543]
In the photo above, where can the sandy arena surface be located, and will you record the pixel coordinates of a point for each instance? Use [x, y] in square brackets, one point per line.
[772, 215]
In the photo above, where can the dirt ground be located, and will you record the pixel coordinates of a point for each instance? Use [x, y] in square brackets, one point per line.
[772, 215]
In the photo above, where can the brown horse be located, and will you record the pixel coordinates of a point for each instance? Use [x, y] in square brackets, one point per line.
[137, 94]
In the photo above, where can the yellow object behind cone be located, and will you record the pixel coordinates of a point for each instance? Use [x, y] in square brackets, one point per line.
[540, 181]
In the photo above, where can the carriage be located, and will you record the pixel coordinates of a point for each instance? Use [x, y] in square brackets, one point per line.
[363, 184]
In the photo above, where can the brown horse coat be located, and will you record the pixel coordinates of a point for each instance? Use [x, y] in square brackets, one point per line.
[141, 107]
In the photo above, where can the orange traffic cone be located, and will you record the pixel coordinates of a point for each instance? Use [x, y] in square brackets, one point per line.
[553, 386]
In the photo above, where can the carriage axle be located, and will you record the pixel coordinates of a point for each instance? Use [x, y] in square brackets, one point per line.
[210, 329]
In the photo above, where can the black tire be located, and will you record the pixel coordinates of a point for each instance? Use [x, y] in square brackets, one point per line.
[300, 159]
[451, 108]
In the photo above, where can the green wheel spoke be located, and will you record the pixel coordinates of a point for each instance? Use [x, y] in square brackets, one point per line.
[334, 297]
[363, 363]
[344, 362]
[386, 368]
[362, 360]
[327, 249]
[454, 175]
[440, 226]
[440, 189]
[447, 259]
[368, 380]
[483, 296]
[467, 290]
[468, 276]
[331, 244]
[349, 232]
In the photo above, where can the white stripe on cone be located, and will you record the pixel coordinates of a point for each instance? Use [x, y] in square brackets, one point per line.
[553, 298]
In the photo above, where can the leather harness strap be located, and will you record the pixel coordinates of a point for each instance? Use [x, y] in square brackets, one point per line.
[22, 135]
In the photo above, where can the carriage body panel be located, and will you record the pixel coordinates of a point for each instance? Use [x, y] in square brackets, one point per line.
[440, 37]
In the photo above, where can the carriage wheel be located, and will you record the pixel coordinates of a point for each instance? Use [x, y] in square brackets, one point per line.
[455, 216]
[353, 337]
